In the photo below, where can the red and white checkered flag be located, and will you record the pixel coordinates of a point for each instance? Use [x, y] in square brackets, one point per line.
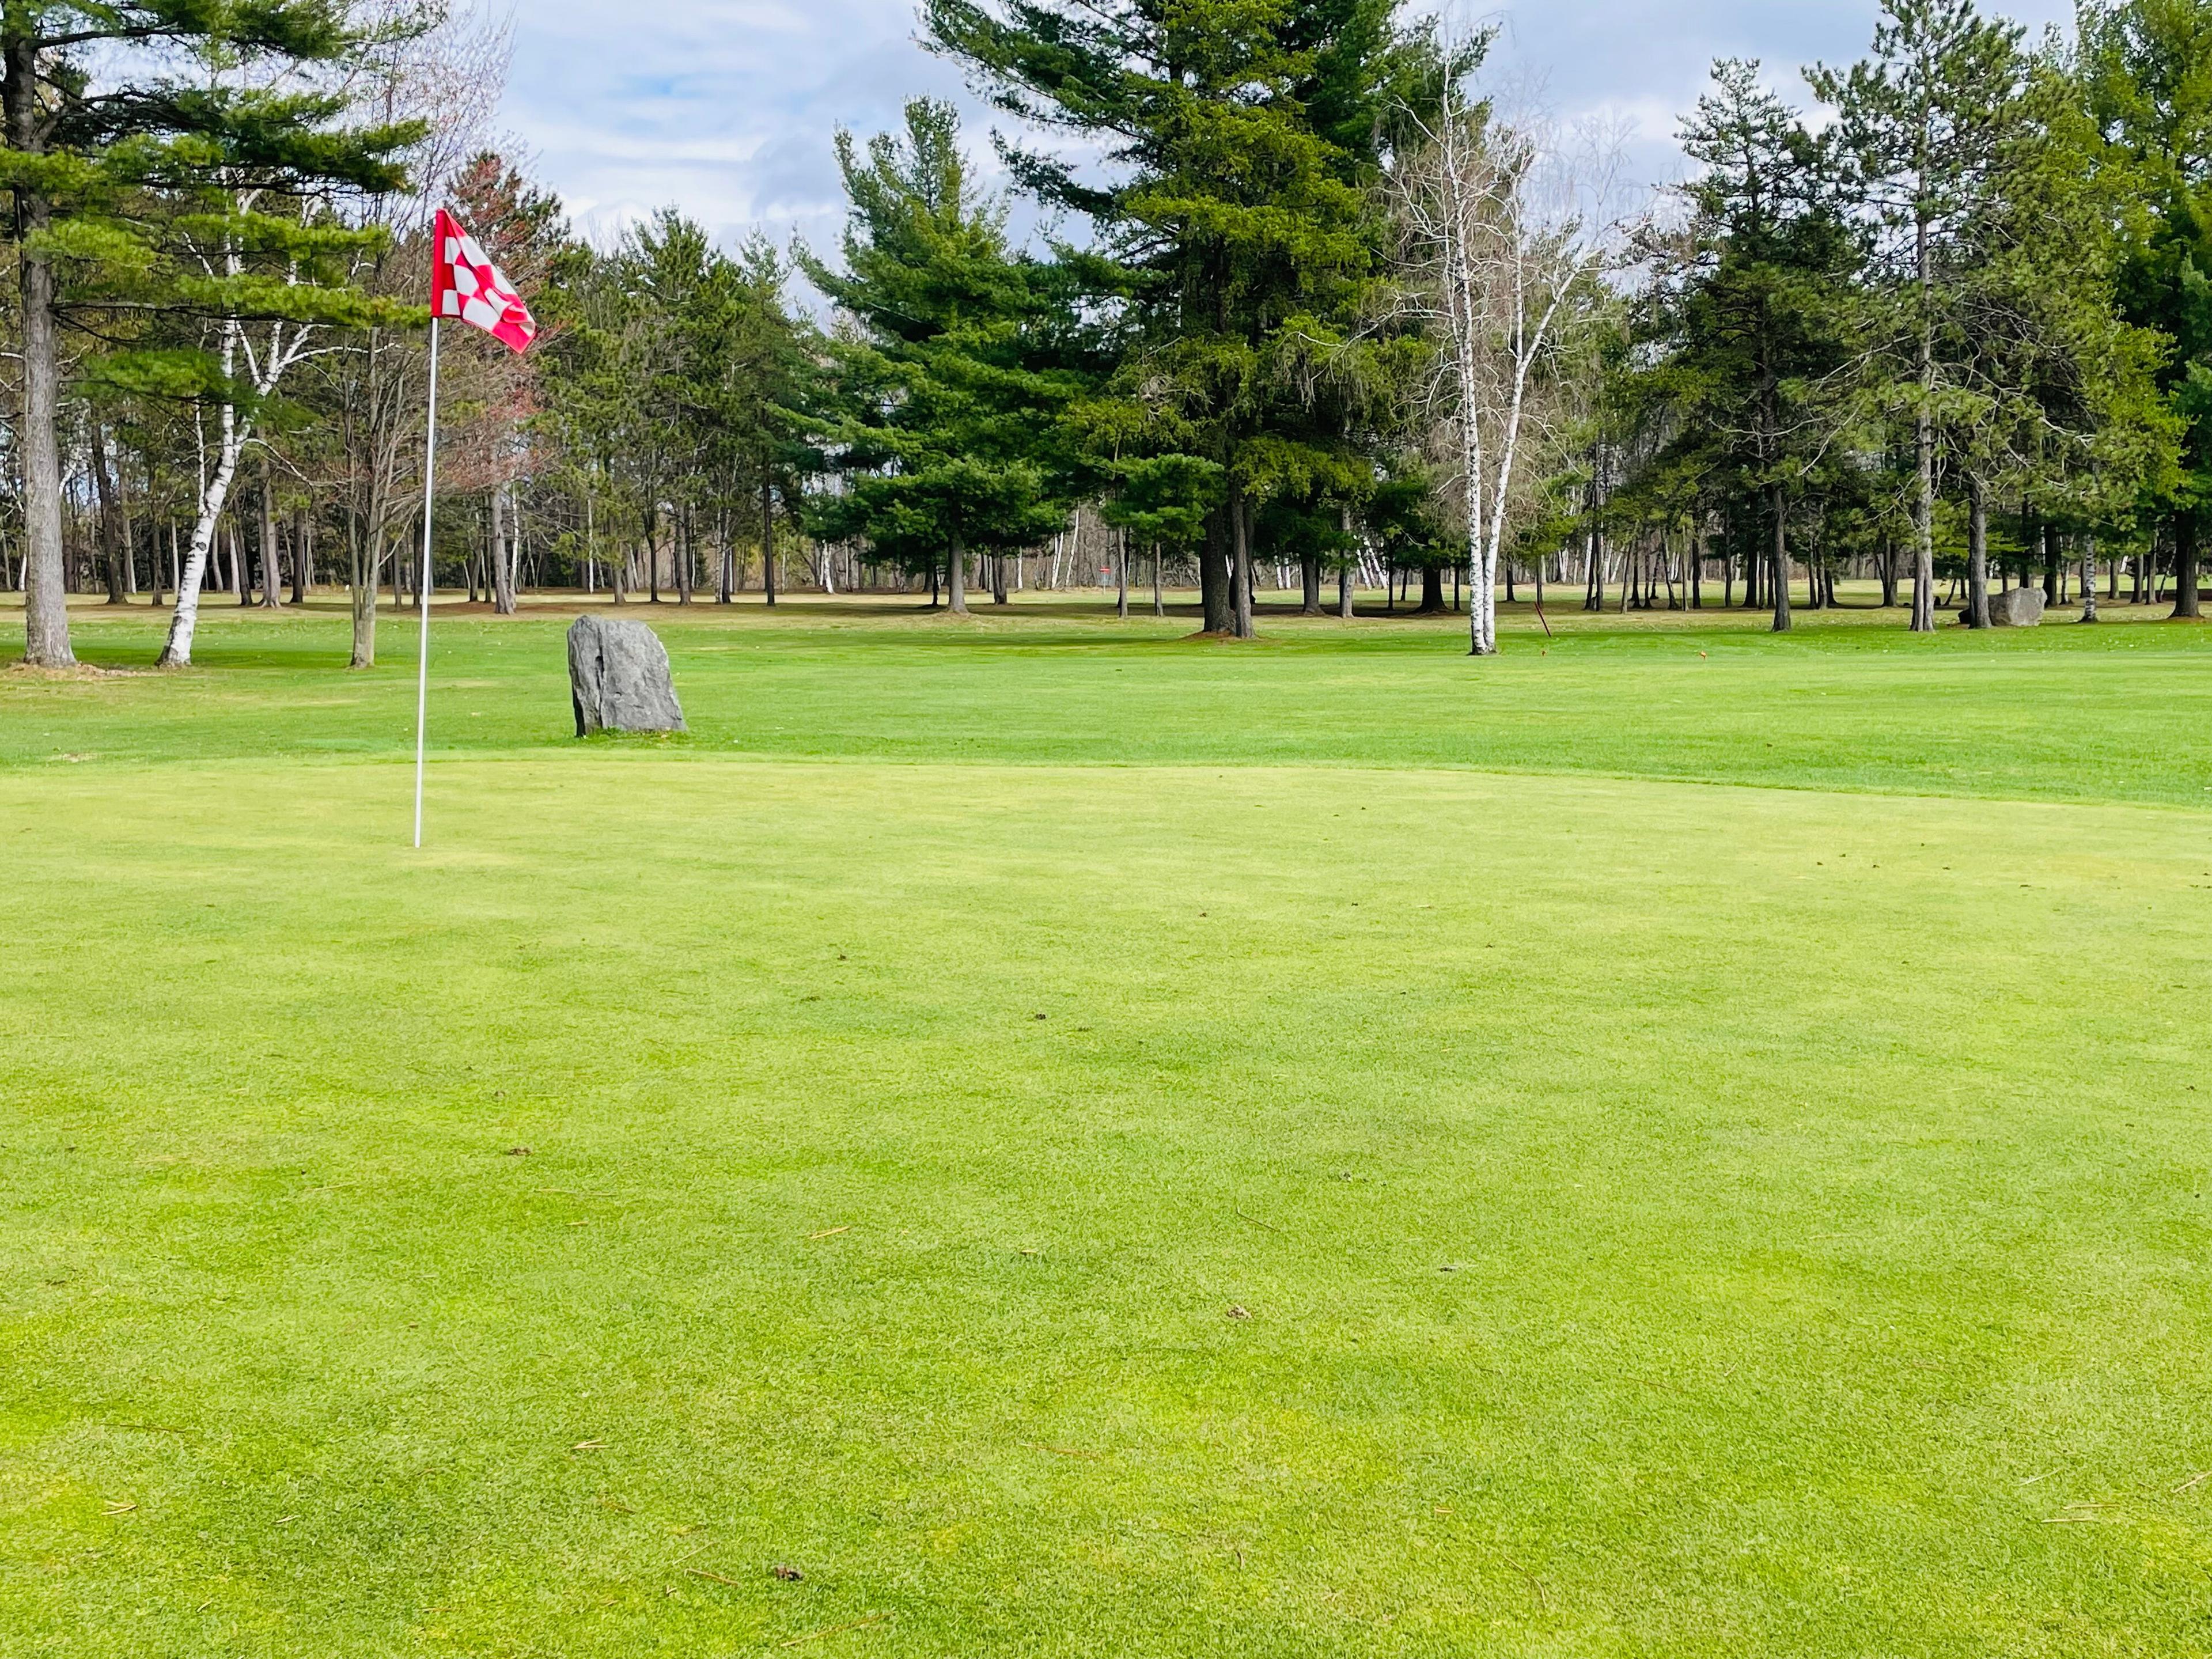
[468, 287]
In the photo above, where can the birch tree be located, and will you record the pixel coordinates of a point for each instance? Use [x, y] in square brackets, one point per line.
[260, 252]
[107, 104]
[1504, 230]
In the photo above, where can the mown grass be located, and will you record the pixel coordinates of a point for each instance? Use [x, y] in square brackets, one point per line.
[1083, 1143]
[1851, 701]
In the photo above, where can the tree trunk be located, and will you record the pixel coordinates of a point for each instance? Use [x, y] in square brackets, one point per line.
[2184, 563]
[1240, 508]
[2088, 579]
[176, 650]
[2050, 567]
[1977, 553]
[1432, 591]
[768, 543]
[115, 553]
[1309, 584]
[1778, 576]
[364, 568]
[1121, 576]
[679, 543]
[45, 598]
[1923, 449]
[303, 554]
[272, 557]
[955, 579]
[1214, 568]
[998, 580]
[502, 554]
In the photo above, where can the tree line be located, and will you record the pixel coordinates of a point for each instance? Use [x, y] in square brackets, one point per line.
[1308, 305]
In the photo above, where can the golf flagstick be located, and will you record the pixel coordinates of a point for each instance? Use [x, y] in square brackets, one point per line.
[423, 588]
[464, 284]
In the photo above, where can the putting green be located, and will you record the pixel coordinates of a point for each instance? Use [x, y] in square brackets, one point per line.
[1175, 1208]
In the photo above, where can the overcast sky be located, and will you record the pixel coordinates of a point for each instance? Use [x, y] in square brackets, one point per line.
[726, 107]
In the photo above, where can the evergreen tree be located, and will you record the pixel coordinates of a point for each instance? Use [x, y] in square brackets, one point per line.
[2148, 65]
[1238, 233]
[1926, 122]
[950, 383]
[1750, 305]
[767, 399]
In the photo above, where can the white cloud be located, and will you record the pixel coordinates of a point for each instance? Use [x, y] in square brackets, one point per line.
[726, 107]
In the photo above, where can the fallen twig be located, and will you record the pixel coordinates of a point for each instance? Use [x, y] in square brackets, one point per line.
[1543, 1596]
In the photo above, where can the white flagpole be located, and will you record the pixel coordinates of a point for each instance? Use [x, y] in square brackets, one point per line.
[422, 586]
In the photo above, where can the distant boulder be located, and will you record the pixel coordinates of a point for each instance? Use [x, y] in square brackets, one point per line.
[618, 677]
[2016, 607]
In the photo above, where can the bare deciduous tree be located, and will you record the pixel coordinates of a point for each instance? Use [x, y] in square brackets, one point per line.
[1504, 231]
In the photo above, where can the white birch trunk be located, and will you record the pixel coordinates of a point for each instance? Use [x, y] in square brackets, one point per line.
[264, 370]
[177, 651]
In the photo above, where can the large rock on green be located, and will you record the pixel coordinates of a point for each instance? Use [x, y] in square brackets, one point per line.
[2016, 607]
[618, 677]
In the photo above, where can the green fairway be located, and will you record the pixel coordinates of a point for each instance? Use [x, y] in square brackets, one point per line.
[1670, 1142]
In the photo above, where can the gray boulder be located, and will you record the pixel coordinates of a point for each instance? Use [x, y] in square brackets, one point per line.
[618, 677]
[2016, 607]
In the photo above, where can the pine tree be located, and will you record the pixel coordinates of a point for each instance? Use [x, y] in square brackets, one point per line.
[1239, 235]
[1926, 122]
[949, 387]
[1749, 306]
[2147, 64]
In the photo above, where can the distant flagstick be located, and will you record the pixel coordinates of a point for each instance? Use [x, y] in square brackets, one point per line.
[466, 286]
[422, 589]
